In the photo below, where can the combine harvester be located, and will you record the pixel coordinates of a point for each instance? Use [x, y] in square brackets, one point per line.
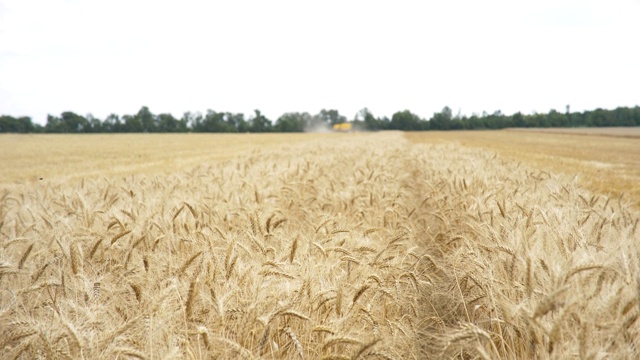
[342, 127]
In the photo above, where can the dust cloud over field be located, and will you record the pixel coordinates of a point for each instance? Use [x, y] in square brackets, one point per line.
[354, 246]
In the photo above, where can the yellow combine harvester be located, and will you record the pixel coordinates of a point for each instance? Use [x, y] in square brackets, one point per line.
[342, 127]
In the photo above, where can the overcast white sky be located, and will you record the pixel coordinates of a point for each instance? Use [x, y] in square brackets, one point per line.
[114, 56]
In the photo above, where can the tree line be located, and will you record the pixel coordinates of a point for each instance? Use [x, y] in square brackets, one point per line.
[145, 121]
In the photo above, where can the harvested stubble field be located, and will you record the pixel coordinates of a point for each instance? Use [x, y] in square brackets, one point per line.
[603, 164]
[342, 246]
[630, 132]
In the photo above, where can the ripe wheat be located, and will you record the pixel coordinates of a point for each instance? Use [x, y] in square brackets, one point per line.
[363, 247]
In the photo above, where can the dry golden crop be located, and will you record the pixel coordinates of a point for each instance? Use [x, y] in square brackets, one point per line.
[342, 247]
[605, 161]
[28, 158]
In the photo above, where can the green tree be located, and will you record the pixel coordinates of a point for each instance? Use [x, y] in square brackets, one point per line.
[406, 121]
[622, 116]
[193, 120]
[597, 117]
[331, 117]
[259, 123]
[214, 122]
[236, 122]
[94, 125]
[497, 120]
[557, 119]
[145, 120]
[132, 124]
[68, 122]
[635, 113]
[442, 120]
[370, 121]
[168, 123]
[54, 124]
[74, 122]
[112, 123]
[518, 120]
[16, 125]
[292, 122]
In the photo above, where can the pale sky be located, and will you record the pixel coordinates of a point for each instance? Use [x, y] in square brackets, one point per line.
[114, 56]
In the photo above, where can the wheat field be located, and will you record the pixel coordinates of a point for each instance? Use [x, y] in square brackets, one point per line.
[603, 163]
[340, 246]
[628, 132]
